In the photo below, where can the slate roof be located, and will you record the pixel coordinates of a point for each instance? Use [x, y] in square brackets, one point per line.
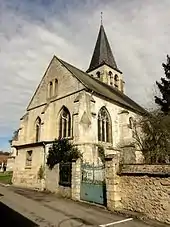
[103, 89]
[102, 52]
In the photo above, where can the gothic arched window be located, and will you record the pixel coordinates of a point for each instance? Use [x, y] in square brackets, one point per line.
[104, 126]
[131, 123]
[37, 129]
[116, 81]
[50, 89]
[111, 77]
[56, 87]
[65, 123]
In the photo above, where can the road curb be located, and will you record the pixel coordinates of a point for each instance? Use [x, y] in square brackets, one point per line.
[141, 217]
[5, 185]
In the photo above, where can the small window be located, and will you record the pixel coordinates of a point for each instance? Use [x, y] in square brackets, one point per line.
[56, 87]
[111, 77]
[116, 81]
[130, 122]
[37, 129]
[98, 75]
[50, 89]
[29, 158]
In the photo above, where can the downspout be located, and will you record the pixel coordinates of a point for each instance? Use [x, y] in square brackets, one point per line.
[44, 154]
[44, 165]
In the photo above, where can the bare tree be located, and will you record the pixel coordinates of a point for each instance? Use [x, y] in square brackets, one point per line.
[151, 133]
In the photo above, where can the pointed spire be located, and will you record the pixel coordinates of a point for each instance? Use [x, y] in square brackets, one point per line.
[102, 52]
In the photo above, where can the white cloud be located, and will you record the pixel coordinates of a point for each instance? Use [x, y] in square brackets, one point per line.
[31, 32]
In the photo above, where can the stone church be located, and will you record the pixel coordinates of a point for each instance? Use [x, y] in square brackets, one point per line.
[90, 108]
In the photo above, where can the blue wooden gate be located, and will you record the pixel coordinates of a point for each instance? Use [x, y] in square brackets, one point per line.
[93, 188]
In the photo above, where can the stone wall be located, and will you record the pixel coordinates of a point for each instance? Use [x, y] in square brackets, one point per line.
[27, 176]
[64, 191]
[52, 182]
[10, 163]
[52, 179]
[112, 181]
[143, 169]
[146, 189]
[76, 179]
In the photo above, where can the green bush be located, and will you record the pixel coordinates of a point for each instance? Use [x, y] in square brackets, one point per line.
[62, 150]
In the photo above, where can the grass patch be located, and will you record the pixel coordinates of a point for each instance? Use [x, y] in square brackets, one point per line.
[6, 178]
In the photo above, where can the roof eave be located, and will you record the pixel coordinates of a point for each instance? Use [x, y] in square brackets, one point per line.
[103, 63]
[141, 112]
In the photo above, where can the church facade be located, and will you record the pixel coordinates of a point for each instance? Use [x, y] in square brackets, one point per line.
[90, 108]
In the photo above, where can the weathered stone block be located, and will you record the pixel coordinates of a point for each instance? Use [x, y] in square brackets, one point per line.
[148, 195]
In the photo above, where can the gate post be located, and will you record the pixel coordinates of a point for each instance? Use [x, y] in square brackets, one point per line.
[112, 182]
[76, 179]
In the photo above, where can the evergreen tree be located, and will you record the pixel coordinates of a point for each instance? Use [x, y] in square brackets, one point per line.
[62, 151]
[164, 88]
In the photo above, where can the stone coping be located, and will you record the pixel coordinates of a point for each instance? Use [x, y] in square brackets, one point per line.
[145, 169]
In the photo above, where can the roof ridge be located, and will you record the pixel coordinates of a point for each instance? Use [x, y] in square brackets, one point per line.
[116, 90]
[66, 63]
[113, 90]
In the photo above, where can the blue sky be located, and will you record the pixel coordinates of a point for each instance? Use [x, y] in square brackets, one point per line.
[32, 31]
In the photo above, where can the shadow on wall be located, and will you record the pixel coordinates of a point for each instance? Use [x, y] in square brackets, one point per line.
[128, 154]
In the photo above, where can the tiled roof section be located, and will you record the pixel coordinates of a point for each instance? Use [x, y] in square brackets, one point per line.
[3, 158]
[103, 89]
[102, 52]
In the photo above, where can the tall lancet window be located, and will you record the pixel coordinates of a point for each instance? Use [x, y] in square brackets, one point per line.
[104, 126]
[116, 81]
[50, 89]
[37, 129]
[65, 123]
[56, 87]
[111, 77]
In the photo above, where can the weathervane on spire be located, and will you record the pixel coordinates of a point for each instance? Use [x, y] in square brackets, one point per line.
[101, 18]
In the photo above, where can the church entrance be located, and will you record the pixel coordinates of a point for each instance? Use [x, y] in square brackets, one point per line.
[93, 187]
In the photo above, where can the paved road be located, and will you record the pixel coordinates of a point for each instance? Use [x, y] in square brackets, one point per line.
[49, 210]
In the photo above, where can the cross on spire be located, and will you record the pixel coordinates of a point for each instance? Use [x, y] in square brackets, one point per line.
[101, 16]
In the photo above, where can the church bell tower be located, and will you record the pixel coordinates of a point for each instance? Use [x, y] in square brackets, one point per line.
[103, 65]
